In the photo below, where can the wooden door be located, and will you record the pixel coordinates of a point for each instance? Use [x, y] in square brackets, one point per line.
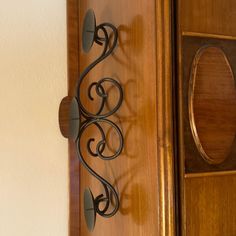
[207, 116]
[142, 62]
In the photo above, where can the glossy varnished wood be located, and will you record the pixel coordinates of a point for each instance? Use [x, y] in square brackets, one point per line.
[222, 92]
[135, 172]
[212, 102]
[167, 213]
[209, 16]
[210, 205]
[143, 174]
[73, 73]
[207, 196]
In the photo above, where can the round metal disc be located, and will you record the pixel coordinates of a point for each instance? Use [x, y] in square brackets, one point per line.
[89, 209]
[89, 28]
[74, 119]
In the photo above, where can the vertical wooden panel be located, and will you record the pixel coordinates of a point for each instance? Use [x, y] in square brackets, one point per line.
[209, 16]
[133, 64]
[73, 73]
[143, 174]
[212, 102]
[207, 199]
[210, 205]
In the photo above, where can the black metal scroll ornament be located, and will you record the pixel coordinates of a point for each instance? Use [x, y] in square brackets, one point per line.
[77, 119]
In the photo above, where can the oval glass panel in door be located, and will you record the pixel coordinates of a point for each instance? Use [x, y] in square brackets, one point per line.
[212, 104]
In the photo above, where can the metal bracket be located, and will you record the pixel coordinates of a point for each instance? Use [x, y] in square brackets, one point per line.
[78, 118]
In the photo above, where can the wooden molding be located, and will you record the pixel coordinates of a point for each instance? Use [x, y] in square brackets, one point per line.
[209, 174]
[205, 35]
[73, 73]
[165, 119]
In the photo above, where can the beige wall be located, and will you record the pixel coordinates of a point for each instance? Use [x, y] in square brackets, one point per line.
[33, 155]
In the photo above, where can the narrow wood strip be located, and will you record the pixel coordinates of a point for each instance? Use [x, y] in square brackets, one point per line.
[218, 173]
[73, 73]
[180, 126]
[205, 35]
[165, 150]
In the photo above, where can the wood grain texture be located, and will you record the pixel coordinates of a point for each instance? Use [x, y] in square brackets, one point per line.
[211, 206]
[167, 222]
[222, 102]
[207, 198]
[136, 171]
[209, 16]
[212, 102]
[205, 174]
[73, 73]
[208, 35]
[132, 173]
[191, 161]
[143, 174]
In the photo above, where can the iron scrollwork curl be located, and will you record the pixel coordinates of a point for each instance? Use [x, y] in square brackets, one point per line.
[80, 119]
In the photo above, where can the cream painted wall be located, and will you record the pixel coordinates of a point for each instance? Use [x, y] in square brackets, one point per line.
[33, 155]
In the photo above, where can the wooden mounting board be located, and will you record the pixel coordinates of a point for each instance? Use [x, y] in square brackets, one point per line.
[142, 63]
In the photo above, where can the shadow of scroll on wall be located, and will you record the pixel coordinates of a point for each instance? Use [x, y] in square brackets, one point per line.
[133, 194]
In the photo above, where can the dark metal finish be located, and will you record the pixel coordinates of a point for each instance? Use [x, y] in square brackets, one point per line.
[89, 29]
[74, 125]
[80, 119]
[89, 209]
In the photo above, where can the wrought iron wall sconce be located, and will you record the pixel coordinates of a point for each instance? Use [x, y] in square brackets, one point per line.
[78, 119]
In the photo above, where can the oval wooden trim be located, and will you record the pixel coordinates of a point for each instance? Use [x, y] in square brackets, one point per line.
[191, 89]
